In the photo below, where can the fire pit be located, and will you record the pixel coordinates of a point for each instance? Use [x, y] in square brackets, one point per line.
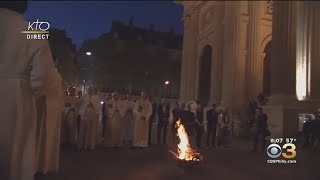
[187, 158]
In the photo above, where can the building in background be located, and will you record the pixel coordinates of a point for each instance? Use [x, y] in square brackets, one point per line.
[130, 58]
[64, 54]
[228, 58]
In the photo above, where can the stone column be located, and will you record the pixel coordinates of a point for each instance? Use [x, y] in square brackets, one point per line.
[313, 9]
[254, 17]
[185, 59]
[230, 26]
[283, 108]
[283, 64]
[189, 57]
[194, 57]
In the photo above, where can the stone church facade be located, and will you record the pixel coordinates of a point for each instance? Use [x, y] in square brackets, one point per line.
[228, 58]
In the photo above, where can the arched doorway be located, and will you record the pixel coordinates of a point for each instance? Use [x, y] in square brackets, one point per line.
[267, 70]
[205, 75]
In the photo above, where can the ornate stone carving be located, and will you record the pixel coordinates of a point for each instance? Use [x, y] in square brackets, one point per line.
[186, 20]
[207, 18]
[269, 7]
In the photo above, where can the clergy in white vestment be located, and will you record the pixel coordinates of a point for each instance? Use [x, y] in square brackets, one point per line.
[49, 159]
[128, 120]
[24, 66]
[89, 111]
[48, 127]
[69, 121]
[114, 124]
[142, 111]
[39, 134]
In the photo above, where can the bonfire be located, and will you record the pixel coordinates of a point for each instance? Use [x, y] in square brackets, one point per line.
[185, 152]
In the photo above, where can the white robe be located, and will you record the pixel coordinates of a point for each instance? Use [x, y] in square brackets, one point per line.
[54, 105]
[24, 66]
[142, 111]
[128, 120]
[69, 121]
[40, 132]
[89, 121]
[113, 134]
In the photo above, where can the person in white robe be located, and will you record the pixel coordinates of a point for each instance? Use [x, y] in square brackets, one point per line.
[115, 111]
[24, 67]
[89, 113]
[69, 125]
[49, 158]
[128, 120]
[39, 134]
[69, 121]
[142, 111]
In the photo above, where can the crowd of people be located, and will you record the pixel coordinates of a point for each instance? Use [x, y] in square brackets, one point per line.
[122, 122]
[130, 123]
[33, 126]
[36, 118]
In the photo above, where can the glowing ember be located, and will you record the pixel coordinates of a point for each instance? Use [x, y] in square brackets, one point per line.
[184, 150]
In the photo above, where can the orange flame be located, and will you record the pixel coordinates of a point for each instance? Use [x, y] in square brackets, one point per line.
[184, 150]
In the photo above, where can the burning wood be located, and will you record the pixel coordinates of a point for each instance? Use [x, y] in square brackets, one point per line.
[185, 152]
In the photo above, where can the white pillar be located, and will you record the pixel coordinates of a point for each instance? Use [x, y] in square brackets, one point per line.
[308, 56]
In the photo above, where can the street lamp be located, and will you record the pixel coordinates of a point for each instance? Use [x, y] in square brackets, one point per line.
[166, 83]
[88, 53]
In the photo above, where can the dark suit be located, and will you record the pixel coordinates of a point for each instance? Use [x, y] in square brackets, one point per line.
[212, 119]
[163, 121]
[261, 128]
[199, 128]
[151, 120]
[188, 119]
[176, 113]
[315, 132]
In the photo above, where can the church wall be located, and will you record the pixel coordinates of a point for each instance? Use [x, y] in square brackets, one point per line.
[228, 33]
[210, 33]
[264, 36]
[188, 73]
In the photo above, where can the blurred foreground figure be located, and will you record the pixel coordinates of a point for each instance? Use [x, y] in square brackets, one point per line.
[24, 67]
[89, 112]
[49, 146]
[142, 111]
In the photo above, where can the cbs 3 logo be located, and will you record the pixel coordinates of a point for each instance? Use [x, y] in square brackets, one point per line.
[275, 151]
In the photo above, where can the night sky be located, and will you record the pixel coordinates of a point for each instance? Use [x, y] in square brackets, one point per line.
[89, 19]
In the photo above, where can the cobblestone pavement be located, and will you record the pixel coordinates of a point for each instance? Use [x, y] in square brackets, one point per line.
[155, 163]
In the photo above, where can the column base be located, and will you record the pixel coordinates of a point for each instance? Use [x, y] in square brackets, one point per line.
[312, 105]
[283, 115]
